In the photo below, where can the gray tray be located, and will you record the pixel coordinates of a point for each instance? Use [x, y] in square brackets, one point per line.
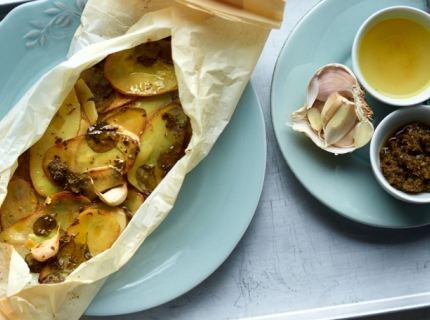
[7, 5]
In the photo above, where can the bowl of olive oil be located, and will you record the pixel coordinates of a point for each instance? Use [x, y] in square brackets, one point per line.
[391, 55]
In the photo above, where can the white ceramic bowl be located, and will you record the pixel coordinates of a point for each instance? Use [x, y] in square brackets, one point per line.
[392, 12]
[393, 121]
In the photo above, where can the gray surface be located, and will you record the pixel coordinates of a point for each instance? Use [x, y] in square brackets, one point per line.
[7, 5]
[298, 256]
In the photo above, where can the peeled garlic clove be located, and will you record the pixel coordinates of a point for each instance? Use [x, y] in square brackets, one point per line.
[347, 140]
[114, 196]
[341, 123]
[363, 132]
[331, 106]
[345, 109]
[46, 249]
[314, 116]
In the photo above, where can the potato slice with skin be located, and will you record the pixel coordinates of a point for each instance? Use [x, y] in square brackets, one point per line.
[120, 101]
[93, 232]
[105, 178]
[63, 126]
[101, 89]
[21, 200]
[128, 75]
[85, 97]
[129, 144]
[151, 104]
[102, 137]
[91, 112]
[83, 92]
[63, 206]
[133, 201]
[104, 96]
[23, 169]
[79, 157]
[97, 228]
[131, 119]
[116, 211]
[163, 132]
[83, 127]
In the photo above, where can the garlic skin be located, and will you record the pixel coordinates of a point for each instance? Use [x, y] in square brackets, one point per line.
[335, 115]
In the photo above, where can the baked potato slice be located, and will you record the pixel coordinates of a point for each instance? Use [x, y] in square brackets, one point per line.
[63, 126]
[144, 70]
[161, 146]
[21, 200]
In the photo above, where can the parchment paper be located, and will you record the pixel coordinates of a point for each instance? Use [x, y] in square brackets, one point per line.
[215, 46]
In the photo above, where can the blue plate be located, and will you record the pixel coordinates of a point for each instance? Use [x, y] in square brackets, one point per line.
[345, 183]
[218, 198]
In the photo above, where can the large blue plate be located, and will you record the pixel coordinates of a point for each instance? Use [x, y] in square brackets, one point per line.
[344, 183]
[218, 198]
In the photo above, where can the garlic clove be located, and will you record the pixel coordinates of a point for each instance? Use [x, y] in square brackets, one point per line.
[363, 132]
[341, 123]
[331, 106]
[114, 196]
[314, 116]
[347, 140]
[46, 249]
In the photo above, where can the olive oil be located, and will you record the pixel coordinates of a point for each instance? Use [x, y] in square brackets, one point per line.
[394, 57]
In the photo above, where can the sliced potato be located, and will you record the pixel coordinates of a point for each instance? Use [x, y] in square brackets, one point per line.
[83, 92]
[64, 207]
[63, 126]
[131, 119]
[38, 226]
[93, 232]
[140, 71]
[98, 229]
[83, 127]
[120, 101]
[90, 111]
[23, 169]
[133, 201]
[103, 137]
[129, 144]
[101, 89]
[151, 104]
[161, 146]
[86, 98]
[78, 157]
[118, 212]
[21, 200]
[105, 178]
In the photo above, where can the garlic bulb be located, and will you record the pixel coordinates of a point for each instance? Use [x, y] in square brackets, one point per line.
[335, 115]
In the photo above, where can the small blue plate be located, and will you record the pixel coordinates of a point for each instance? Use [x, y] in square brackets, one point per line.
[345, 183]
[218, 198]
